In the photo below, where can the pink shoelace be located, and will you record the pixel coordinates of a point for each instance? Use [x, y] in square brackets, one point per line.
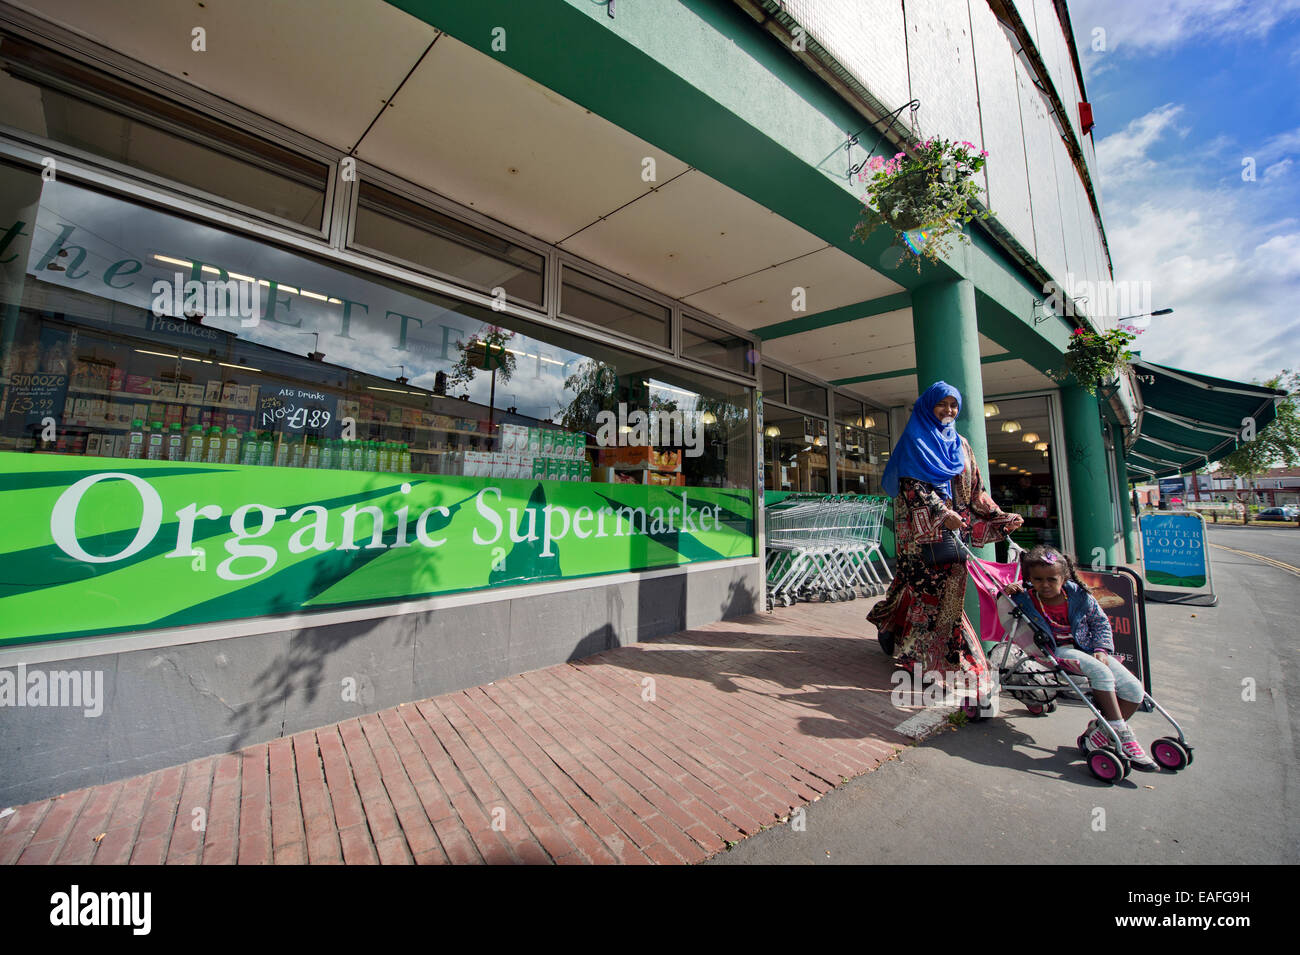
[1133, 749]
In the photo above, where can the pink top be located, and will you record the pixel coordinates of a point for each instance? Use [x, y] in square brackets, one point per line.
[1058, 616]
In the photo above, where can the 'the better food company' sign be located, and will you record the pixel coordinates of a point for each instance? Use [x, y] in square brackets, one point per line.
[105, 545]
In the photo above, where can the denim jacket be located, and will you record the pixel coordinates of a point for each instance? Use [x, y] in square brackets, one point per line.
[1089, 625]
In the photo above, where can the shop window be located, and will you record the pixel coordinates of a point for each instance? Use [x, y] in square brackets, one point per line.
[806, 395]
[712, 346]
[773, 385]
[312, 436]
[57, 99]
[130, 329]
[607, 306]
[795, 451]
[417, 235]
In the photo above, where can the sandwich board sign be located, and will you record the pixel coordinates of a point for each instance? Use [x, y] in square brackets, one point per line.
[1175, 561]
[1119, 593]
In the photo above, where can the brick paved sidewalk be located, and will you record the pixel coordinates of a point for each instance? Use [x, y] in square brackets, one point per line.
[658, 752]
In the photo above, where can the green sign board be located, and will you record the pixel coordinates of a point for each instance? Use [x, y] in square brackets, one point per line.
[103, 545]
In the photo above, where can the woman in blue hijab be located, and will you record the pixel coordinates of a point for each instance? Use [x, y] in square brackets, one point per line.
[938, 494]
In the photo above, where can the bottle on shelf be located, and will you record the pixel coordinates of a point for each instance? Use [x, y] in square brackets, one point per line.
[265, 450]
[194, 445]
[230, 446]
[250, 449]
[135, 440]
[372, 456]
[282, 451]
[405, 462]
[175, 443]
[311, 456]
[296, 449]
[328, 449]
[385, 457]
[215, 448]
[154, 442]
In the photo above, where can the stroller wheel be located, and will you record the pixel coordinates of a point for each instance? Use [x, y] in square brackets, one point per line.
[1035, 709]
[972, 712]
[1082, 743]
[1051, 706]
[1104, 765]
[1170, 754]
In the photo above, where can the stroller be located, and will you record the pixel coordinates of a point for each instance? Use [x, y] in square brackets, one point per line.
[1028, 668]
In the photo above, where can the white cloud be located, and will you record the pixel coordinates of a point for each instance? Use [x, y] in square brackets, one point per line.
[1151, 26]
[1212, 246]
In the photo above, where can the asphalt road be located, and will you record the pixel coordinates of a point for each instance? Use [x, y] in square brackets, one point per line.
[1013, 789]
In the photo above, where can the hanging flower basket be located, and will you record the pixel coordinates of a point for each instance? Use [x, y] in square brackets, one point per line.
[934, 191]
[1095, 358]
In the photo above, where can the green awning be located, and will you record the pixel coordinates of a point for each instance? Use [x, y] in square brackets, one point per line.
[1188, 420]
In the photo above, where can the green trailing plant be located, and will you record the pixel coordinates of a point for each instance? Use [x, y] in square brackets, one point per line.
[1095, 358]
[926, 198]
[486, 351]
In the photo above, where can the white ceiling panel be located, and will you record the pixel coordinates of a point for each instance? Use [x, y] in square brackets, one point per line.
[287, 68]
[469, 128]
[830, 278]
[691, 234]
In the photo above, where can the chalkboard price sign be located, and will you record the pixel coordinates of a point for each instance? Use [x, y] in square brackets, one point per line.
[296, 410]
[36, 396]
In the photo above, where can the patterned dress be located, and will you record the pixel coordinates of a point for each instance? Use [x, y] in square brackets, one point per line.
[924, 605]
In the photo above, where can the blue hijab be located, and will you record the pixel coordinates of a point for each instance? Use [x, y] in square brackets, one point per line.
[928, 451]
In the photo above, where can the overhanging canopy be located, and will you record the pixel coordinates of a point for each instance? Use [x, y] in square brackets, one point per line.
[1187, 420]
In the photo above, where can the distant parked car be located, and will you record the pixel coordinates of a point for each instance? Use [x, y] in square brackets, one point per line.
[1276, 514]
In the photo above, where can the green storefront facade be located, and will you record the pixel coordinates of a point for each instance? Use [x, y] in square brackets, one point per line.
[478, 240]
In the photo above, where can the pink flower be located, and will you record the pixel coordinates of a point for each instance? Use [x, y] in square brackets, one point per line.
[984, 152]
[875, 163]
[900, 155]
[968, 145]
[1077, 331]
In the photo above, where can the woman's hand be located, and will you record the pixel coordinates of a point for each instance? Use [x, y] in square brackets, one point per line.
[952, 520]
[1015, 587]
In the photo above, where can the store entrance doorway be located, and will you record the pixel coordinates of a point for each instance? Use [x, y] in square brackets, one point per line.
[1022, 441]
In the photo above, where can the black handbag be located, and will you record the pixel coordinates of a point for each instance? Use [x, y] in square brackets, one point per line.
[943, 551]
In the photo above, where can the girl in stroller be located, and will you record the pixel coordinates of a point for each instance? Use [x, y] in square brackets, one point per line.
[1068, 610]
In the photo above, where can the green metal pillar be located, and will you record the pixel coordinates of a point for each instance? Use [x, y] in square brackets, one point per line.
[1126, 505]
[948, 349]
[1089, 480]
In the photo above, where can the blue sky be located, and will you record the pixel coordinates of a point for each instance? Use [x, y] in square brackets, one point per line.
[1184, 92]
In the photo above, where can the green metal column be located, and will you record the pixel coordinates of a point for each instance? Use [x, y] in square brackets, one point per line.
[948, 349]
[1121, 474]
[1088, 477]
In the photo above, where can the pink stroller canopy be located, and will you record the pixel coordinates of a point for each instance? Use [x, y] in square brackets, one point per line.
[991, 629]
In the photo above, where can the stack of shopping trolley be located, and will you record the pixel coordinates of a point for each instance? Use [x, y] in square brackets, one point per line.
[825, 547]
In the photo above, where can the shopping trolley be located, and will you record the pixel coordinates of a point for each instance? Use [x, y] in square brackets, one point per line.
[824, 547]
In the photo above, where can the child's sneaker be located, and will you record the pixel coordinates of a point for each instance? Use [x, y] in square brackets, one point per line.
[1098, 738]
[1136, 754]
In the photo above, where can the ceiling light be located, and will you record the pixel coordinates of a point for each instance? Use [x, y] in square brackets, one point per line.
[772, 431]
[868, 422]
[1010, 427]
[1040, 446]
[990, 411]
[708, 418]
[1029, 437]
